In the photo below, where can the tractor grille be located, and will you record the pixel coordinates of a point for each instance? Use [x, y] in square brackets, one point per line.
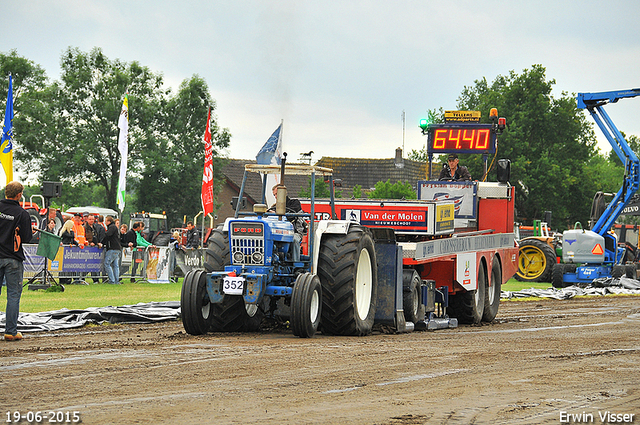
[247, 243]
[247, 251]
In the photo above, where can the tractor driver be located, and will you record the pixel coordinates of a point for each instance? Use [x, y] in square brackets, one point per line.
[299, 224]
[452, 171]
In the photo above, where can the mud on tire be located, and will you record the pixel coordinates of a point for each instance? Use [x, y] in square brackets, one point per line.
[348, 273]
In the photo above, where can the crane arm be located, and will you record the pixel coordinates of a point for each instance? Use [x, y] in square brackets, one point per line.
[594, 103]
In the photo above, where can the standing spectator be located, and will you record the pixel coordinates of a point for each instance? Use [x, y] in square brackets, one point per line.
[89, 220]
[128, 242]
[193, 238]
[138, 254]
[94, 238]
[15, 230]
[67, 234]
[68, 238]
[45, 221]
[78, 230]
[127, 238]
[51, 226]
[99, 230]
[112, 256]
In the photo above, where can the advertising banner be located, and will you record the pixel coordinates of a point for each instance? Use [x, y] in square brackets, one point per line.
[157, 269]
[68, 259]
[463, 194]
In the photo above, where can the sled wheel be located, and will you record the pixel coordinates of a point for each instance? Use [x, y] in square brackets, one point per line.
[412, 296]
[492, 293]
[468, 306]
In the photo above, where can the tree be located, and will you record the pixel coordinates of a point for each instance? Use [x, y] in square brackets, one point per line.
[74, 121]
[397, 190]
[173, 164]
[357, 191]
[433, 117]
[548, 141]
[30, 102]
[81, 131]
[322, 189]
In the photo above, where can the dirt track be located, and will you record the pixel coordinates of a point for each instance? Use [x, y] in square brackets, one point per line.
[536, 361]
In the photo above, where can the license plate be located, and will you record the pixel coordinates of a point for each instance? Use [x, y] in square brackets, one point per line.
[233, 285]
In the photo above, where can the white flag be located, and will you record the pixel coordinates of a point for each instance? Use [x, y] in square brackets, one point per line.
[123, 147]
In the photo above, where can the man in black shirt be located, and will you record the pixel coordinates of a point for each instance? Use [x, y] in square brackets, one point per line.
[114, 249]
[452, 171]
[15, 230]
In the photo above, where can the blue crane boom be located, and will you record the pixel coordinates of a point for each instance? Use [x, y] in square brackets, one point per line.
[594, 102]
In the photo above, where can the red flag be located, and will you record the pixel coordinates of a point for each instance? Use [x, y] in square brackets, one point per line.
[207, 175]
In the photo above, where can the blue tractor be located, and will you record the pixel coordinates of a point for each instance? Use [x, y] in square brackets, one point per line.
[253, 269]
[592, 254]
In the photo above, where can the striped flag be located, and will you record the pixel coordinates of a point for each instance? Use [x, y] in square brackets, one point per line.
[207, 175]
[6, 145]
[123, 147]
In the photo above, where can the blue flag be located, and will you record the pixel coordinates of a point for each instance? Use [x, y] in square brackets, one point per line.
[6, 146]
[272, 149]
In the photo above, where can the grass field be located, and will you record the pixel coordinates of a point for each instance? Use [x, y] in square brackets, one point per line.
[102, 295]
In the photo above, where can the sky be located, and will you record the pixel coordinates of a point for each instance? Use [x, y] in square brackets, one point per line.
[341, 74]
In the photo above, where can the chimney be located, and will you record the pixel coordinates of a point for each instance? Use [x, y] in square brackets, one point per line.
[398, 160]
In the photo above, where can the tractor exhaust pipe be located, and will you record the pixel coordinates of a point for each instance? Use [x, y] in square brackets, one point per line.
[281, 194]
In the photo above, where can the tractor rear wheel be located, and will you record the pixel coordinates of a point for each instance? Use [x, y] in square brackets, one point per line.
[231, 315]
[412, 296]
[216, 256]
[195, 308]
[306, 305]
[535, 261]
[348, 272]
[468, 306]
[492, 293]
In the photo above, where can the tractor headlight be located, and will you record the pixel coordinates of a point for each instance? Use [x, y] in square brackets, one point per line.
[257, 257]
[238, 257]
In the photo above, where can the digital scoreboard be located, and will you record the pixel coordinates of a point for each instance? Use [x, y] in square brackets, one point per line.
[461, 138]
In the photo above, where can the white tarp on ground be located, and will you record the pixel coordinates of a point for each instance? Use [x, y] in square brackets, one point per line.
[67, 319]
[602, 286]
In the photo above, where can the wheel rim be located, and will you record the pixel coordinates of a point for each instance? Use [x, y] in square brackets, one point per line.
[415, 302]
[314, 308]
[206, 309]
[251, 309]
[363, 284]
[531, 263]
[492, 294]
[477, 295]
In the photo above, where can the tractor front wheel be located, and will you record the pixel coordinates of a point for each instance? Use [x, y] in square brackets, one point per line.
[195, 308]
[306, 305]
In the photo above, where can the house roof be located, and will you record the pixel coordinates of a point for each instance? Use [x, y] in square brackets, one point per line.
[234, 172]
[367, 172]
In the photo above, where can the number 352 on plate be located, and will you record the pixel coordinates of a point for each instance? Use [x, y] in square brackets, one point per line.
[233, 285]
